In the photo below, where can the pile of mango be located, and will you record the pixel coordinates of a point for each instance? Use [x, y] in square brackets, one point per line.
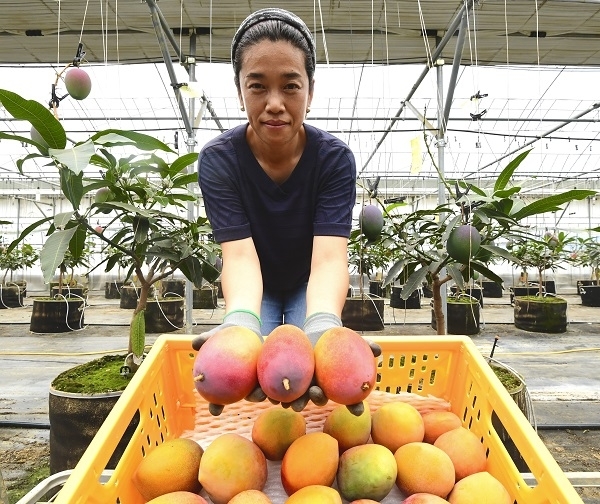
[429, 457]
[357, 456]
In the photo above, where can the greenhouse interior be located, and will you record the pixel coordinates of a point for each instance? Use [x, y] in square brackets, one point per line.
[473, 256]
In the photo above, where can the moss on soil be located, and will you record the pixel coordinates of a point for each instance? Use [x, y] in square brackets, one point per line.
[22, 486]
[509, 380]
[97, 376]
[542, 299]
[462, 300]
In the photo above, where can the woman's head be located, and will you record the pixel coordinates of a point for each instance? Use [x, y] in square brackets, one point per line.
[275, 25]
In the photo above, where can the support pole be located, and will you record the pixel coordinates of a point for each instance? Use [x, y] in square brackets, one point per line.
[191, 143]
[160, 35]
[464, 10]
[441, 144]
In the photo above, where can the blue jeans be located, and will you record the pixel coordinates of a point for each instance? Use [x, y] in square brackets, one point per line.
[283, 308]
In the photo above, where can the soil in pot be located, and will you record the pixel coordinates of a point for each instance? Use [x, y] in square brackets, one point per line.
[363, 314]
[546, 315]
[50, 315]
[462, 317]
[11, 296]
[164, 315]
[80, 399]
[474, 292]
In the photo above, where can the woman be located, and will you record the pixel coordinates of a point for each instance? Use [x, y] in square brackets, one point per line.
[278, 193]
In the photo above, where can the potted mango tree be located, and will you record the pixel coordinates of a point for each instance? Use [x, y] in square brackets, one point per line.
[541, 311]
[12, 291]
[587, 255]
[142, 194]
[451, 240]
[63, 310]
[366, 254]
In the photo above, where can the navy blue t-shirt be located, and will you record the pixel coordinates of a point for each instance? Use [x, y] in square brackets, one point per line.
[241, 201]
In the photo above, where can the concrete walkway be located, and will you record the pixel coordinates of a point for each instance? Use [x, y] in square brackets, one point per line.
[562, 371]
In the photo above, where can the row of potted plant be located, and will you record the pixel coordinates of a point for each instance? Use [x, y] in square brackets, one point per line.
[456, 241]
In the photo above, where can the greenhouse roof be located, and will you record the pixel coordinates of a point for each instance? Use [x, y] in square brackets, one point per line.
[547, 32]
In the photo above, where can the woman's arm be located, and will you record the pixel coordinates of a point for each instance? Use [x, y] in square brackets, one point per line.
[241, 278]
[329, 278]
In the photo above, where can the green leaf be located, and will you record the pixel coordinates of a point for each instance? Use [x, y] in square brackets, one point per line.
[394, 272]
[71, 185]
[507, 193]
[182, 162]
[38, 115]
[77, 244]
[506, 174]
[192, 269]
[137, 333]
[62, 219]
[77, 158]
[487, 273]
[53, 251]
[499, 251]
[115, 137]
[457, 275]
[185, 180]
[413, 283]
[550, 203]
[21, 161]
[26, 233]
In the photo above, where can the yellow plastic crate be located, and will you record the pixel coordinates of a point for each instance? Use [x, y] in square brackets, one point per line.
[448, 367]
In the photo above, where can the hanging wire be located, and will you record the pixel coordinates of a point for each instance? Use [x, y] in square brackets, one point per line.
[58, 35]
[323, 33]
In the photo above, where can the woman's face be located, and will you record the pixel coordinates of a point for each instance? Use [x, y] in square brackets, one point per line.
[275, 90]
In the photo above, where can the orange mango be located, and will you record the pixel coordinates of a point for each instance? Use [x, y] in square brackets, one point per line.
[225, 366]
[230, 465]
[170, 467]
[275, 429]
[345, 368]
[310, 460]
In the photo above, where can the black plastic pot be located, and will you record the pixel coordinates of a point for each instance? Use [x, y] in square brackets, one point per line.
[520, 397]
[376, 288]
[413, 301]
[583, 283]
[363, 314]
[172, 288]
[461, 318]
[56, 315]
[164, 315]
[590, 295]
[112, 290]
[11, 296]
[540, 316]
[129, 297]
[205, 298]
[74, 421]
[491, 289]
[67, 291]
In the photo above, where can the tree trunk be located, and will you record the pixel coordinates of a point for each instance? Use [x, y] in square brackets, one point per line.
[437, 306]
